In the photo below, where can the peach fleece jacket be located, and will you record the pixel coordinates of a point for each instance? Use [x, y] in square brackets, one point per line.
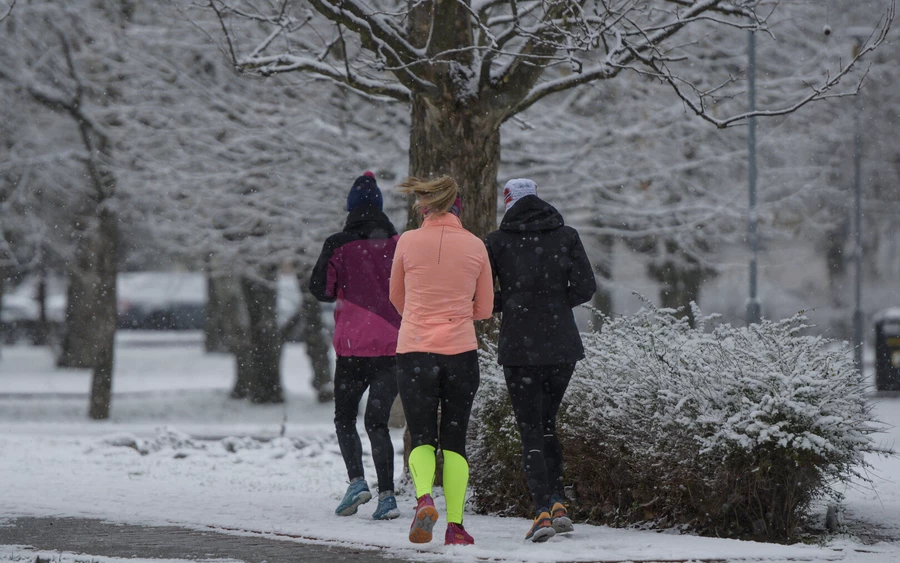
[440, 282]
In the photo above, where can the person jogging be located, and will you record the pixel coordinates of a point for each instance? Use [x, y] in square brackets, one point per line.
[543, 272]
[440, 282]
[354, 269]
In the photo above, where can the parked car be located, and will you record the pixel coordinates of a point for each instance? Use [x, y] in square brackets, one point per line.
[20, 314]
[146, 301]
[161, 300]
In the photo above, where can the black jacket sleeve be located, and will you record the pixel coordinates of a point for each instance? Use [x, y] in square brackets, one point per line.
[498, 297]
[582, 284]
[319, 284]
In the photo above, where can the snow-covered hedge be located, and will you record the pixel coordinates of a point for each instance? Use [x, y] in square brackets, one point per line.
[727, 431]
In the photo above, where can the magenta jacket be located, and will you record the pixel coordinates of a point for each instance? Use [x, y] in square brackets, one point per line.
[354, 269]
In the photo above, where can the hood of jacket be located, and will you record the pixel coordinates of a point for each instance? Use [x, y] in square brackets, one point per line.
[366, 219]
[531, 214]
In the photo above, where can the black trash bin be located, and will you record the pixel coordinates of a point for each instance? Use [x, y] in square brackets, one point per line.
[887, 350]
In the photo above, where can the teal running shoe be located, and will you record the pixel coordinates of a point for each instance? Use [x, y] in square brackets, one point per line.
[357, 493]
[387, 507]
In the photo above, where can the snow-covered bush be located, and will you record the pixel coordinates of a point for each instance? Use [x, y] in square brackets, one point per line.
[727, 431]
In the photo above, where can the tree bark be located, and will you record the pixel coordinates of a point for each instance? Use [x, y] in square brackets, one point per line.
[265, 338]
[104, 317]
[235, 324]
[603, 269]
[42, 328]
[80, 344]
[221, 297]
[462, 141]
[316, 343]
[3, 330]
[243, 361]
[679, 287]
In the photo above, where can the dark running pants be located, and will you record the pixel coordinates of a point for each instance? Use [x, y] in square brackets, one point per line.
[352, 376]
[536, 393]
[427, 381]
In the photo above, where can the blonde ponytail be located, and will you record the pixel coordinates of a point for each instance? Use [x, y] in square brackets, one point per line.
[436, 196]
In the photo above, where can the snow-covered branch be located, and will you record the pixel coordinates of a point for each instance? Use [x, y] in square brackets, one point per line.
[277, 64]
[695, 100]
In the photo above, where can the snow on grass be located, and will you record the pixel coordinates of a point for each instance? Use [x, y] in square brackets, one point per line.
[53, 462]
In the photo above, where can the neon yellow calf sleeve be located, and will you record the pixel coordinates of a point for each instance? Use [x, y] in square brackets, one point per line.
[456, 478]
[421, 467]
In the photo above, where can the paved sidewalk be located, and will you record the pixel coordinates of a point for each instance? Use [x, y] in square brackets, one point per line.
[95, 537]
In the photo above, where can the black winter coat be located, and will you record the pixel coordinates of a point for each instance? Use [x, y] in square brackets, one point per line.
[543, 272]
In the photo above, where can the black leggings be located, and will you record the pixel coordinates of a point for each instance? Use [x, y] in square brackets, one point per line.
[536, 393]
[427, 381]
[352, 376]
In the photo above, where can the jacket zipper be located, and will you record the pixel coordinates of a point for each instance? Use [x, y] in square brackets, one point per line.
[441, 245]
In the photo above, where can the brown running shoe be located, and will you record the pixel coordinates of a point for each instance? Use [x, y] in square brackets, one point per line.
[559, 517]
[542, 529]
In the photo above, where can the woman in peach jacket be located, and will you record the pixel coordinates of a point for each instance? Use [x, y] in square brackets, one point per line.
[440, 283]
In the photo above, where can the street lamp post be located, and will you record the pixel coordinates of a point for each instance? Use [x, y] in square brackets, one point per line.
[857, 254]
[753, 306]
[858, 35]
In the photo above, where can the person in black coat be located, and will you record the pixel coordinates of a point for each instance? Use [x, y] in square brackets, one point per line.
[542, 272]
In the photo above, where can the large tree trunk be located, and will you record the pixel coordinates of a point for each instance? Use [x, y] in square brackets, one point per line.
[103, 324]
[91, 306]
[91, 310]
[79, 343]
[221, 313]
[265, 338]
[236, 326]
[316, 342]
[245, 371]
[461, 141]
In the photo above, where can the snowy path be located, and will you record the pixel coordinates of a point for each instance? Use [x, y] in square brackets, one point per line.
[55, 463]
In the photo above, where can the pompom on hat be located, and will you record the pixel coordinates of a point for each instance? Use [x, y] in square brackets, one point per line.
[516, 189]
[365, 191]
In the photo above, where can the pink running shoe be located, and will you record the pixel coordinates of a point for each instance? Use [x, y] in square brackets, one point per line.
[424, 520]
[457, 535]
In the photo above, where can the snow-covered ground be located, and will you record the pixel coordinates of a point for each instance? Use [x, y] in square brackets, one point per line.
[178, 451]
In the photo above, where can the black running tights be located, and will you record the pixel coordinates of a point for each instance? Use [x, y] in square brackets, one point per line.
[427, 381]
[352, 376]
[536, 393]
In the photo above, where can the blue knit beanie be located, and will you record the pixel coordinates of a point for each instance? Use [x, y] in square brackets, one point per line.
[364, 192]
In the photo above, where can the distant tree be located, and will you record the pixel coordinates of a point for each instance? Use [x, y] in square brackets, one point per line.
[63, 64]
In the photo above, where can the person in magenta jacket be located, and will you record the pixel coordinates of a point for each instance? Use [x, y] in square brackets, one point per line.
[440, 283]
[354, 270]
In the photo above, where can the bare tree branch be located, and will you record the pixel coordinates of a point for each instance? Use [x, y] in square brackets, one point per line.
[276, 64]
[727, 9]
[212, 4]
[8, 11]
[377, 36]
[817, 93]
[619, 56]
